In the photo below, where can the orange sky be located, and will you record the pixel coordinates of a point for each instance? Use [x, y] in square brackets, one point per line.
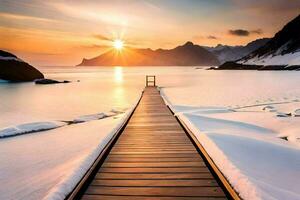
[63, 32]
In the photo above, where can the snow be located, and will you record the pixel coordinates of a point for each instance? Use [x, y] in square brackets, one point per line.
[10, 58]
[256, 161]
[255, 138]
[3, 81]
[297, 112]
[86, 118]
[49, 165]
[47, 125]
[286, 59]
[29, 128]
[97, 116]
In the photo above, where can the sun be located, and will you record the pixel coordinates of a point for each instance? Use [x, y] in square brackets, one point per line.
[118, 44]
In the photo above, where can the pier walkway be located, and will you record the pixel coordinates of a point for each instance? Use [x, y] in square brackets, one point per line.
[152, 158]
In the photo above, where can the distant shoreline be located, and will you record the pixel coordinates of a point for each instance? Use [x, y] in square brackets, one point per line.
[238, 66]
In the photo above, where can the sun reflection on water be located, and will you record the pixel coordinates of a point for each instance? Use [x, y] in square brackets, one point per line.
[119, 90]
[118, 74]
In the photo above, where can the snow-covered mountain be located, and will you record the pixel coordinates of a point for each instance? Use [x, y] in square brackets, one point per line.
[282, 49]
[226, 53]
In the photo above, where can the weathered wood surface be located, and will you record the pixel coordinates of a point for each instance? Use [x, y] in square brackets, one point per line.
[153, 159]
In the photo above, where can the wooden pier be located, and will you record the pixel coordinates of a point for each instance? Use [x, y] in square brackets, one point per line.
[153, 157]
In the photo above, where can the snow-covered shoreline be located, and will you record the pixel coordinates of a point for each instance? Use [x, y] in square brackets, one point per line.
[290, 59]
[63, 188]
[248, 146]
[34, 127]
[66, 153]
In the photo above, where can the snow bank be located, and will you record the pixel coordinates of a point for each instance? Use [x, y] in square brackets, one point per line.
[66, 185]
[48, 166]
[257, 164]
[43, 126]
[297, 113]
[236, 178]
[86, 118]
[257, 151]
[29, 128]
[286, 59]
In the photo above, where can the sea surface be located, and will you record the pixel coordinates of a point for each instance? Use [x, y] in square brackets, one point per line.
[100, 89]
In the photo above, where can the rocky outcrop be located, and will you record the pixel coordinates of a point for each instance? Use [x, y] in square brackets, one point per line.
[46, 81]
[238, 66]
[14, 69]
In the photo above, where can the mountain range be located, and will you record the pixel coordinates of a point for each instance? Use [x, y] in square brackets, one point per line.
[188, 54]
[226, 53]
[282, 52]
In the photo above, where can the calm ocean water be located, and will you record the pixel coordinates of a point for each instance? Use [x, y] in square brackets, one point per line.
[101, 89]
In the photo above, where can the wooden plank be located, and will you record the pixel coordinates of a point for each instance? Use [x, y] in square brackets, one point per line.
[154, 191]
[162, 170]
[159, 155]
[159, 139]
[144, 152]
[140, 176]
[154, 164]
[156, 183]
[153, 147]
[143, 159]
[122, 197]
[170, 144]
[124, 142]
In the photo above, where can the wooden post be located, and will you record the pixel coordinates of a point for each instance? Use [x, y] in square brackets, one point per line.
[148, 80]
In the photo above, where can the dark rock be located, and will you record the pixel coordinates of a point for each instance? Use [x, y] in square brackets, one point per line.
[237, 66]
[15, 70]
[212, 68]
[293, 67]
[273, 67]
[49, 81]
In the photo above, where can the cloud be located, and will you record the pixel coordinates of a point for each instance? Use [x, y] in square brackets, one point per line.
[244, 33]
[95, 46]
[102, 37]
[257, 31]
[239, 32]
[11, 16]
[211, 37]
